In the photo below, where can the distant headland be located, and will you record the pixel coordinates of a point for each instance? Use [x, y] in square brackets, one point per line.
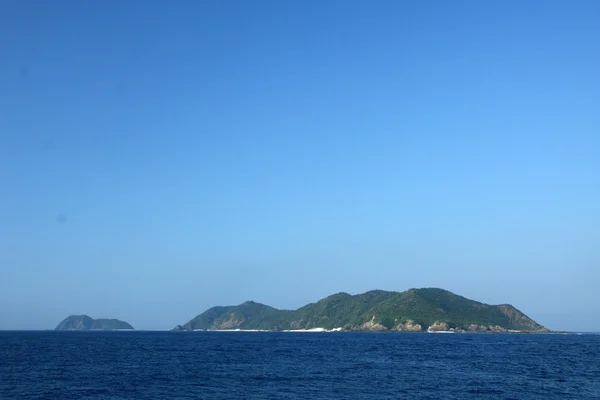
[85, 323]
[415, 310]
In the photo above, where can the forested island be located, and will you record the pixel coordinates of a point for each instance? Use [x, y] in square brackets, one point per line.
[414, 310]
[85, 323]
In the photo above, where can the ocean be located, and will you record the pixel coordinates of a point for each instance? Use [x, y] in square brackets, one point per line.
[265, 365]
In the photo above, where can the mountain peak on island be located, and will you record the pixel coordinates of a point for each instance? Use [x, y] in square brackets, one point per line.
[424, 309]
[86, 323]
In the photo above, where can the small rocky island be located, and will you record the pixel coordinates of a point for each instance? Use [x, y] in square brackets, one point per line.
[415, 310]
[85, 323]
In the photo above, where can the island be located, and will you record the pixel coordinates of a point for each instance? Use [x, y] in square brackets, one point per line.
[85, 323]
[416, 310]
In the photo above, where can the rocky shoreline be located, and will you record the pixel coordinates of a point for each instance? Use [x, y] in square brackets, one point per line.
[375, 328]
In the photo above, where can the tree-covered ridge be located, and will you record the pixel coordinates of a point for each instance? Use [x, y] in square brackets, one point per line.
[84, 323]
[412, 310]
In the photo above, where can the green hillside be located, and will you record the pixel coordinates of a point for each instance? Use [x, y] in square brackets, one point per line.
[84, 323]
[376, 310]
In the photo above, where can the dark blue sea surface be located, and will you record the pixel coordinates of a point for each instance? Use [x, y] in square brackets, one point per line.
[248, 365]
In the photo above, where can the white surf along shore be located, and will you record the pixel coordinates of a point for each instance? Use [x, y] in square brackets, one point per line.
[265, 330]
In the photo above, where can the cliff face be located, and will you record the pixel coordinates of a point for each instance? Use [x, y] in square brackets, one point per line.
[84, 323]
[75, 322]
[409, 326]
[414, 310]
[520, 319]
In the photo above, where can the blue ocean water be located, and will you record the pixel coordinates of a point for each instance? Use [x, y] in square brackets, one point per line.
[247, 365]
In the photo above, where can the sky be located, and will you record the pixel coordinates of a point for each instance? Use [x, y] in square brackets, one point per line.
[160, 158]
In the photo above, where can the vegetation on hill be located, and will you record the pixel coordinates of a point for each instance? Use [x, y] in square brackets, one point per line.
[376, 310]
[83, 323]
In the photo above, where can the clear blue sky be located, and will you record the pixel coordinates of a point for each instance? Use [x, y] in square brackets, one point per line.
[158, 158]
